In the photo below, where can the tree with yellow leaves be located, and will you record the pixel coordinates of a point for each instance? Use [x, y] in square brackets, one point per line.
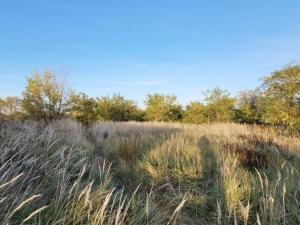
[44, 98]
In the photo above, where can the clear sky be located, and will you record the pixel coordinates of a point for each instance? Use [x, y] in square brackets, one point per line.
[138, 47]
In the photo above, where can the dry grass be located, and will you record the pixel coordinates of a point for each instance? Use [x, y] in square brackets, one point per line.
[147, 173]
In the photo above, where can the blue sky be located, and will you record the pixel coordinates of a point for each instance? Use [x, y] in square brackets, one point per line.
[139, 47]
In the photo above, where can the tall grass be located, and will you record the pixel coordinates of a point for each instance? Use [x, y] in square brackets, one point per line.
[147, 173]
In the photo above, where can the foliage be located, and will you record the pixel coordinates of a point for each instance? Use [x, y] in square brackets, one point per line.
[44, 98]
[219, 106]
[2, 108]
[194, 113]
[83, 108]
[117, 108]
[11, 108]
[281, 98]
[248, 107]
[161, 107]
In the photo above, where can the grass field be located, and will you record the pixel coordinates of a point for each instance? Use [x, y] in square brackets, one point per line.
[147, 173]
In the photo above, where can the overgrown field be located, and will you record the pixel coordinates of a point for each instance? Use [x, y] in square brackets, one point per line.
[147, 173]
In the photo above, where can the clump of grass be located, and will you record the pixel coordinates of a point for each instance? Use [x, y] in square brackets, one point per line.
[177, 160]
[236, 184]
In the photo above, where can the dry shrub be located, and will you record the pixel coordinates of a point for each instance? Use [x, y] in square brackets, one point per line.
[249, 156]
[252, 159]
[259, 140]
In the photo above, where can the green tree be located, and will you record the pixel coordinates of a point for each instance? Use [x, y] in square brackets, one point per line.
[161, 107]
[281, 98]
[219, 106]
[44, 98]
[248, 107]
[82, 108]
[117, 108]
[194, 113]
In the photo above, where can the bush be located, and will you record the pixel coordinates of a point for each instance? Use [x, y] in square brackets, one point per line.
[118, 108]
[161, 107]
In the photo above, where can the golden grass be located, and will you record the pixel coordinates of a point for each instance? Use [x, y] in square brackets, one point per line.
[147, 173]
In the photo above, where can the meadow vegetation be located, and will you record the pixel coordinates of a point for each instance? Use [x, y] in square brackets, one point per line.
[147, 173]
[70, 159]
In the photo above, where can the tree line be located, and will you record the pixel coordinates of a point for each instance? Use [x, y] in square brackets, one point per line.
[275, 102]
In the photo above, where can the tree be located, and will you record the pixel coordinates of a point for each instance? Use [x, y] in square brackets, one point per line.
[2, 109]
[117, 108]
[248, 107]
[11, 108]
[219, 106]
[44, 98]
[83, 108]
[281, 98]
[194, 113]
[161, 107]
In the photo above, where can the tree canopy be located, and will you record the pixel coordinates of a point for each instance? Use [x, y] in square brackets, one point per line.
[82, 108]
[281, 98]
[117, 108]
[248, 107]
[44, 97]
[219, 106]
[161, 107]
[195, 113]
